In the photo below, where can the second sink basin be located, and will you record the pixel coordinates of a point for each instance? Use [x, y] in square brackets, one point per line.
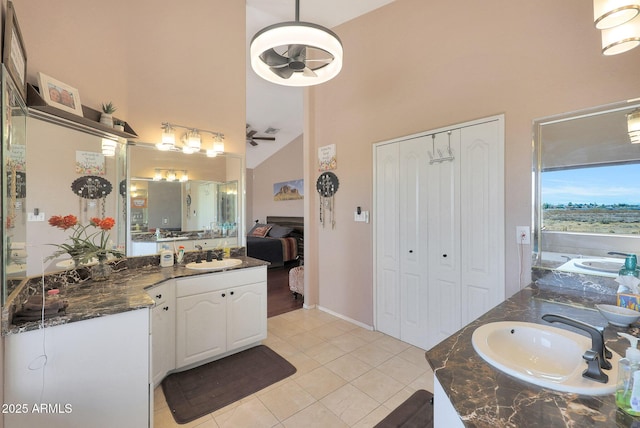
[545, 356]
[214, 264]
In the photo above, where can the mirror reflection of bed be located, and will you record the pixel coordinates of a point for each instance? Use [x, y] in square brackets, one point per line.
[280, 241]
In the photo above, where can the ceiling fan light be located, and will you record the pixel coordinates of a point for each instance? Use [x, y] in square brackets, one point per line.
[296, 33]
[622, 38]
[611, 13]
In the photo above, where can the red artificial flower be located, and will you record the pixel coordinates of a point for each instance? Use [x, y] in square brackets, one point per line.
[63, 223]
[107, 223]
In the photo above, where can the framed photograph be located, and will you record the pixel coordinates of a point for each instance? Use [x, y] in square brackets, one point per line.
[14, 54]
[59, 95]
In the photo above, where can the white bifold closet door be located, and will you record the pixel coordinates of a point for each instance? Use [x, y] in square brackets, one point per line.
[439, 231]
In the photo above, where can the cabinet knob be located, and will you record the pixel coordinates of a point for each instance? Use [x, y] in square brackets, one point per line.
[158, 296]
[444, 255]
[231, 293]
[410, 251]
[166, 308]
[223, 294]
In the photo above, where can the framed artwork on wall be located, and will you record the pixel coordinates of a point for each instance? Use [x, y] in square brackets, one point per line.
[288, 190]
[59, 95]
[14, 54]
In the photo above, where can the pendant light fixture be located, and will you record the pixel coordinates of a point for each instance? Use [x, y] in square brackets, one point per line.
[296, 53]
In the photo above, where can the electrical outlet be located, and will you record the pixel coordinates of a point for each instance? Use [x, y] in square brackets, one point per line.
[35, 217]
[523, 235]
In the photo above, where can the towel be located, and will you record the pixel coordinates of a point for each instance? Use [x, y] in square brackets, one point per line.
[18, 246]
[32, 309]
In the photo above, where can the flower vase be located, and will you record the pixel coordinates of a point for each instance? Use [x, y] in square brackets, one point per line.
[101, 271]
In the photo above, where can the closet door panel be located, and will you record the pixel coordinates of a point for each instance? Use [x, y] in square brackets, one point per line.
[387, 238]
[482, 218]
[444, 238]
[413, 242]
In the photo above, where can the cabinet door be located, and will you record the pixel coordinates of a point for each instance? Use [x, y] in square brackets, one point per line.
[246, 315]
[163, 331]
[200, 327]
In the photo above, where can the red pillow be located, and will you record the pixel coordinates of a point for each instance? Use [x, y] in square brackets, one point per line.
[260, 231]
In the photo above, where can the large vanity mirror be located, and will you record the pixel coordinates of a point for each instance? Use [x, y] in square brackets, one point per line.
[183, 199]
[54, 167]
[586, 190]
[14, 191]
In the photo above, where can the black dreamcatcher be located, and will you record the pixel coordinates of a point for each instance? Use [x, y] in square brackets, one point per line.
[327, 186]
[91, 188]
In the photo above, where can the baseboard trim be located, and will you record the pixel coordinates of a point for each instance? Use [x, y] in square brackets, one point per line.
[352, 321]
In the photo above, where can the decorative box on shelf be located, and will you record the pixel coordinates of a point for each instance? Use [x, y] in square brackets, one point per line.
[89, 121]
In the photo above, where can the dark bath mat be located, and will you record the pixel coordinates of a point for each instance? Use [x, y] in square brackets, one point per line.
[207, 388]
[415, 412]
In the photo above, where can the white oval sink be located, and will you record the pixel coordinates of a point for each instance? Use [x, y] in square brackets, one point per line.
[173, 238]
[214, 264]
[545, 356]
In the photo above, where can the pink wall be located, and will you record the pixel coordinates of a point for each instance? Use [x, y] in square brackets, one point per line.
[412, 66]
[157, 61]
[284, 165]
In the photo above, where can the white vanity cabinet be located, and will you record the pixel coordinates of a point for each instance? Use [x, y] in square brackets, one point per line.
[163, 330]
[219, 313]
[92, 373]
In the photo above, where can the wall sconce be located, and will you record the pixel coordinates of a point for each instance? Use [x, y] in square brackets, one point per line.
[191, 140]
[633, 126]
[170, 175]
[619, 21]
[109, 147]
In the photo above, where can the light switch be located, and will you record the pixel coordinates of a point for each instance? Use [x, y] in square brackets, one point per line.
[363, 217]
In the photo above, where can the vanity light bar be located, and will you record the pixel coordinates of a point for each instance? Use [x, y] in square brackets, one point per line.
[191, 140]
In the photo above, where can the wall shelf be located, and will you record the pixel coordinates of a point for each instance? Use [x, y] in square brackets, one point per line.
[89, 122]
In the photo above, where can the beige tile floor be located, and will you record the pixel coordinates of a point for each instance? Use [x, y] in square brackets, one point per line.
[346, 376]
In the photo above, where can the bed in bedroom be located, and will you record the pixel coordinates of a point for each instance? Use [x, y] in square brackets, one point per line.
[278, 241]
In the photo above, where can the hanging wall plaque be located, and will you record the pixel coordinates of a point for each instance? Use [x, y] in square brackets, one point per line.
[327, 186]
[90, 188]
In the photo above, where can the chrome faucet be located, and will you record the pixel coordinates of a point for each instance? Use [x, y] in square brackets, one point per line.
[597, 356]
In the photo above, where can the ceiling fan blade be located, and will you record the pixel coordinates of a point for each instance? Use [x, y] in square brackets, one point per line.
[308, 72]
[265, 138]
[273, 58]
[284, 72]
[253, 143]
[251, 133]
[298, 52]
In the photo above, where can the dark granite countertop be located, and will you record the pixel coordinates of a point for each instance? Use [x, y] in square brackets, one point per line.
[124, 291]
[486, 397]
